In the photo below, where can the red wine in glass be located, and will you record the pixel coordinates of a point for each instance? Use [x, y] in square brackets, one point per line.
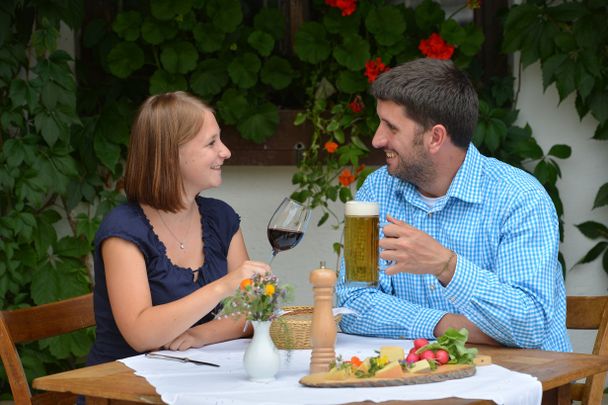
[283, 239]
[287, 226]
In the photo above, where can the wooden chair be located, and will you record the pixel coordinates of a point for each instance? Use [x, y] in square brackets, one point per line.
[35, 323]
[590, 313]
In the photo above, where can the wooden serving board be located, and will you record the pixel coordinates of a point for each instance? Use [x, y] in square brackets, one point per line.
[442, 373]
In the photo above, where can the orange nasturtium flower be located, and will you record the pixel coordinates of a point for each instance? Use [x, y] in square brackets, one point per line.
[346, 177]
[330, 146]
[269, 290]
[355, 361]
[245, 283]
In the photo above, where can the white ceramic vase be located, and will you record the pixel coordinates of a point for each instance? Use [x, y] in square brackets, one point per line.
[262, 358]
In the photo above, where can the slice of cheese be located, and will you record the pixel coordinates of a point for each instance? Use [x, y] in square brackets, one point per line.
[392, 353]
[419, 366]
[391, 370]
[364, 366]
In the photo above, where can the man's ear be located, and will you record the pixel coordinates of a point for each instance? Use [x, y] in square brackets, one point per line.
[438, 136]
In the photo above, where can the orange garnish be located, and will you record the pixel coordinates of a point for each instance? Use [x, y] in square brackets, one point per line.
[355, 361]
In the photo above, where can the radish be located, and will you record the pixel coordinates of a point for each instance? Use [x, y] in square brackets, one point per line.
[427, 355]
[420, 342]
[442, 356]
[412, 358]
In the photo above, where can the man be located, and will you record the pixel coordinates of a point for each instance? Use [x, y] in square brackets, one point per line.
[468, 241]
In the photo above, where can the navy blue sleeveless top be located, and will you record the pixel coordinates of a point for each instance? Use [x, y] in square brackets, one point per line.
[168, 282]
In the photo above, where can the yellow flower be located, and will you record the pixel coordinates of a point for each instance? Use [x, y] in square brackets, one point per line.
[269, 290]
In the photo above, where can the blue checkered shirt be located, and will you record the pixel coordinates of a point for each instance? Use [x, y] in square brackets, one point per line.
[508, 281]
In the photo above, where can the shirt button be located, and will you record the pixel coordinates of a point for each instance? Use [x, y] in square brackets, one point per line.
[432, 287]
[452, 300]
[430, 214]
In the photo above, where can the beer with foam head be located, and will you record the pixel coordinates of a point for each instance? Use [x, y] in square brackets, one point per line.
[361, 243]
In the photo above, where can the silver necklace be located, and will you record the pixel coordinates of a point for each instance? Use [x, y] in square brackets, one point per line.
[179, 242]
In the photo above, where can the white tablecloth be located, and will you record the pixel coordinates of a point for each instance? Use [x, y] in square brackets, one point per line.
[186, 383]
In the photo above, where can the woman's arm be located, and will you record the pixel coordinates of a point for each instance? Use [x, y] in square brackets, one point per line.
[139, 322]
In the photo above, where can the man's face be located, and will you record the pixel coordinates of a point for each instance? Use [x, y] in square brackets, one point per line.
[402, 140]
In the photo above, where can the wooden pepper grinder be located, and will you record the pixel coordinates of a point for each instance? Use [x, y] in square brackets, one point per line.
[323, 324]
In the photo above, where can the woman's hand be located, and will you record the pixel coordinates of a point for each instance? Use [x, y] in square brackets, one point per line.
[233, 279]
[185, 341]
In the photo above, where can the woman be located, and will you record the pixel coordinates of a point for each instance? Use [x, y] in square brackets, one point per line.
[165, 259]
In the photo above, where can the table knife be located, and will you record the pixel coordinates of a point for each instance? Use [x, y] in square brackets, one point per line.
[181, 359]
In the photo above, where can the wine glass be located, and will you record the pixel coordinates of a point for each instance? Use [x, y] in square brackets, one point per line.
[287, 226]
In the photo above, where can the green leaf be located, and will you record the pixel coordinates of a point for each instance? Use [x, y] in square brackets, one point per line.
[72, 247]
[271, 21]
[225, 14]
[261, 42]
[63, 281]
[351, 82]
[323, 219]
[566, 12]
[593, 230]
[124, 59]
[48, 127]
[107, 152]
[550, 67]
[429, 15]
[566, 82]
[179, 57]
[233, 106]
[163, 82]
[277, 72]
[260, 125]
[345, 194]
[14, 151]
[208, 38]
[601, 198]
[167, 9]
[598, 105]
[127, 24]
[387, 25]
[209, 79]
[336, 23]
[565, 42]
[353, 52]
[155, 32]
[545, 173]
[452, 32]
[601, 132]
[311, 44]
[243, 70]
[561, 151]
[594, 253]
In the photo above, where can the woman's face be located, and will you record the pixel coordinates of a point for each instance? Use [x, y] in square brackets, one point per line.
[202, 157]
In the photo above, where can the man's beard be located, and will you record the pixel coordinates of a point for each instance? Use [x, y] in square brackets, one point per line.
[418, 170]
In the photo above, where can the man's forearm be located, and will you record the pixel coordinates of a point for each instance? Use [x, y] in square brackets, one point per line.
[460, 321]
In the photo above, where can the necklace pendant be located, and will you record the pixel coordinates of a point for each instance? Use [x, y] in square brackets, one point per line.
[181, 246]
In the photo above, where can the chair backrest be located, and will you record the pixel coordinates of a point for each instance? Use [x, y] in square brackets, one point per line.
[35, 323]
[590, 313]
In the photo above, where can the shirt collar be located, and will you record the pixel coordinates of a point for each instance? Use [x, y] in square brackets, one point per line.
[465, 185]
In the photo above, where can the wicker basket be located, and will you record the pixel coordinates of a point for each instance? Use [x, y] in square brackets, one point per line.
[292, 331]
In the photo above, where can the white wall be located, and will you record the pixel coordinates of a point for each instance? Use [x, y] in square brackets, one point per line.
[255, 192]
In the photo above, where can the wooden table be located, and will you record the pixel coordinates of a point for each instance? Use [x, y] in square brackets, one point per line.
[115, 383]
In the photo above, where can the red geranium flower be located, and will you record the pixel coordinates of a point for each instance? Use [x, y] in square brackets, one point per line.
[435, 47]
[347, 6]
[356, 105]
[359, 169]
[373, 68]
[346, 177]
[331, 146]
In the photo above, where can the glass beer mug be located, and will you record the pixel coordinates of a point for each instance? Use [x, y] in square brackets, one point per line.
[361, 243]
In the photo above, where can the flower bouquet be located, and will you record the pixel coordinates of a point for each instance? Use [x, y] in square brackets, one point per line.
[258, 299]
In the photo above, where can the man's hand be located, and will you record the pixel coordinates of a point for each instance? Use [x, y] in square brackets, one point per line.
[413, 251]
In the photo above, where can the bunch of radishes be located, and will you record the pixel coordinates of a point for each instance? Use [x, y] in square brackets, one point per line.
[420, 352]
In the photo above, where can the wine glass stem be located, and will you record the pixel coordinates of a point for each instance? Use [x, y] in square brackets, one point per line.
[272, 256]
